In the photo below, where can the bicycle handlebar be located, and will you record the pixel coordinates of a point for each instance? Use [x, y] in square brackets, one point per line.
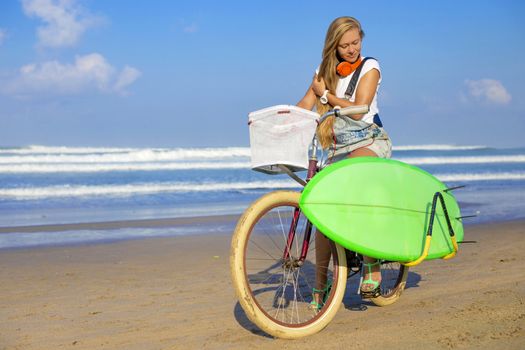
[352, 110]
[347, 111]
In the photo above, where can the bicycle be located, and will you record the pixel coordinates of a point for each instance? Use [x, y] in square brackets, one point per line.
[273, 265]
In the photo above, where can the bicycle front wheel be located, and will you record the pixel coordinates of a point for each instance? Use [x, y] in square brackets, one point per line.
[275, 291]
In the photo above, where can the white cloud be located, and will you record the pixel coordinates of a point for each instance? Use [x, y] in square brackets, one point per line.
[3, 35]
[89, 72]
[488, 90]
[64, 21]
[193, 28]
[187, 26]
[126, 77]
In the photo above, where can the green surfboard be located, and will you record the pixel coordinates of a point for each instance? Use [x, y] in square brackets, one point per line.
[381, 208]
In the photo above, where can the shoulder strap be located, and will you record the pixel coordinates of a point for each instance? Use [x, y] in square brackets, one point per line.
[353, 82]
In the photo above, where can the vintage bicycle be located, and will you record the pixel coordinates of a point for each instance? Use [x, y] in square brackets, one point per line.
[273, 255]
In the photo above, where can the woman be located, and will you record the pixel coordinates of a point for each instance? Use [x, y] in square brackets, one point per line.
[358, 136]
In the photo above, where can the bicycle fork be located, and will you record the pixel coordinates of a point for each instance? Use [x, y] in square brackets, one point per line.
[299, 261]
[312, 170]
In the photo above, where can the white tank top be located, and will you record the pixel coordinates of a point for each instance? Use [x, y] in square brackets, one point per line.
[343, 84]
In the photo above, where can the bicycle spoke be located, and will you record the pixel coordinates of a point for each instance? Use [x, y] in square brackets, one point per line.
[285, 283]
[271, 225]
[295, 305]
[265, 251]
[282, 227]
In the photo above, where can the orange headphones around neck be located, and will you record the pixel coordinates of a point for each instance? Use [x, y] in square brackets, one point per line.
[345, 68]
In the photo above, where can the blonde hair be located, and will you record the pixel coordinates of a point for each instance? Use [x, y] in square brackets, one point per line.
[327, 70]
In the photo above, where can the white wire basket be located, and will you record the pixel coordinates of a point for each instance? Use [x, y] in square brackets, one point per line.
[281, 135]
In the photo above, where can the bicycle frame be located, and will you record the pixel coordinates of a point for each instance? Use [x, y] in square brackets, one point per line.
[312, 170]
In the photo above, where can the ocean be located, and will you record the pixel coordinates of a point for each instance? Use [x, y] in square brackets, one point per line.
[42, 185]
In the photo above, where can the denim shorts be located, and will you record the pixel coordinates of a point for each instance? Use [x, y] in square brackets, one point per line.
[349, 135]
[381, 147]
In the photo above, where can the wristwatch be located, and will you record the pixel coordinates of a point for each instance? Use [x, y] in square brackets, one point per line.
[324, 98]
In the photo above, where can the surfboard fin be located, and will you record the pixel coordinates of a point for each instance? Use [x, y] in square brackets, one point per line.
[428, 237]
[466, 217]
[454, 188]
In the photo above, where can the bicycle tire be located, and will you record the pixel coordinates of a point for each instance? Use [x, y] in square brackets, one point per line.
[270, 293]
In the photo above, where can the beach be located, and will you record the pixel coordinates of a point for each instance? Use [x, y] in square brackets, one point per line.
[128, 160]
[176, 293]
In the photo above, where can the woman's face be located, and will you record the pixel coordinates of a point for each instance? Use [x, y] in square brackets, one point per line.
[349, 47]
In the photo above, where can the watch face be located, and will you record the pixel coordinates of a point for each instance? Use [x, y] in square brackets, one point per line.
[324, 98]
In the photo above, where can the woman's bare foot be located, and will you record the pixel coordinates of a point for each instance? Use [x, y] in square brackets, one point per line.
[319, 296]
[317, 302]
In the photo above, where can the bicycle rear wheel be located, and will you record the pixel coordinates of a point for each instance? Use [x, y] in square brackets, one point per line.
[274, 292]
[393, 281]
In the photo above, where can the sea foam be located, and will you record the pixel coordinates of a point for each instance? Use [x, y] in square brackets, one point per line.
[187, 160]
[185, 187]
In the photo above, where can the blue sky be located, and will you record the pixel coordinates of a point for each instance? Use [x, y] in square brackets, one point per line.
[187, 73]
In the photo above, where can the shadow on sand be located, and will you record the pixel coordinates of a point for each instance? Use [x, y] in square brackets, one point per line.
[352, 301]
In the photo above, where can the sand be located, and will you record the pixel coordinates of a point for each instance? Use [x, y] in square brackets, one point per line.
[175, 293]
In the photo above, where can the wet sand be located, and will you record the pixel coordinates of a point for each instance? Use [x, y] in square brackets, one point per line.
[175, 293]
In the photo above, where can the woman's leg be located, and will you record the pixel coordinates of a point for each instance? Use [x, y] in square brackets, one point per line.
[322, 259]
[322, 250]
[375, 269]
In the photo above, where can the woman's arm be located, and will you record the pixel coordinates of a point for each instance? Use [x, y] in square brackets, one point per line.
[308, 101]
[364, 94]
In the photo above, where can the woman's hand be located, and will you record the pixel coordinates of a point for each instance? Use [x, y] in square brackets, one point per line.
[318, 86]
